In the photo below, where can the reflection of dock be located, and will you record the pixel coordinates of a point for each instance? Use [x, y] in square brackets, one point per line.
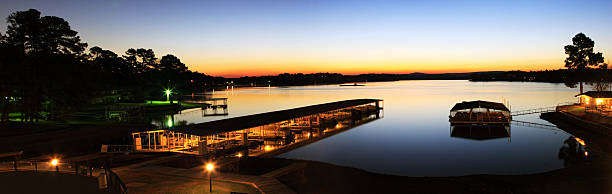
[534, 125]
[260, 134]
[211, 106]
[480, 132]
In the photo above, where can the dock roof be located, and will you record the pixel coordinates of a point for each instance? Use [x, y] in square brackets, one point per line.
[597, 94]
[479, 104]
[249, 121]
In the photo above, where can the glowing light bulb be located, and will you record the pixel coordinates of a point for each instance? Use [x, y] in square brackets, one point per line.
[54, 162]
[210, 167]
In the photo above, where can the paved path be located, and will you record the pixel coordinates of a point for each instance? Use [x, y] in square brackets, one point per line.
[285, 170]
[264, 184]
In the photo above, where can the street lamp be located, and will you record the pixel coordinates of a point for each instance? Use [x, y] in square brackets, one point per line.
[210, 167]
[55, 163]
[239, 155]
[168, 91]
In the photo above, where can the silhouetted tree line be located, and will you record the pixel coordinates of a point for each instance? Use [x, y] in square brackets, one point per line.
[299, 79]
[553, 76]
[45, 69]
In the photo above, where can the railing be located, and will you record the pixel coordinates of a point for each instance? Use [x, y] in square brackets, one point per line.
[540, 110]
[534, 111]
[146, 148]
[118, 148]
[115, 184]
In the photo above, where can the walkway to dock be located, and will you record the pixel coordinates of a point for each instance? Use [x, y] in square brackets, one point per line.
[539, 110]
[534, 111]
[263, 184]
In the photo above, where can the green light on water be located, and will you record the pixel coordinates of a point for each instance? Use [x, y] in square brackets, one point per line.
[168, 92]
[170, 122]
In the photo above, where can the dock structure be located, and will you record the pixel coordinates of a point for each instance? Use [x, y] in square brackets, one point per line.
[211, 106]
[479, 112]
[534, 111]
[260, 134]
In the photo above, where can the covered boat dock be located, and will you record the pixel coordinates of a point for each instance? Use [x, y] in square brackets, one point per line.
[479, 112]
[260, 133]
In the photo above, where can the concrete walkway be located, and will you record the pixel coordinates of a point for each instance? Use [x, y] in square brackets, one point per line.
[285, 170]
[264, 184]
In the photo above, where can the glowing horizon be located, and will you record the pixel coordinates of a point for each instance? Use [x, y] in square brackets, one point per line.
[234, 69]
[242, 38]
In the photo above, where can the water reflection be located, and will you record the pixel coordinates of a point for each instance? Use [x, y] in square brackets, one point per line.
[574, 151]
[413, 138]
[480, 132]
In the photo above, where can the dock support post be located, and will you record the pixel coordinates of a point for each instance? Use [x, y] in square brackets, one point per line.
[202, 148]
[244, 139]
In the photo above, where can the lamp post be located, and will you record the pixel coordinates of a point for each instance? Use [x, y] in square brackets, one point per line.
[168, 91]
[210, 167]
[55, 163]
[239, 155]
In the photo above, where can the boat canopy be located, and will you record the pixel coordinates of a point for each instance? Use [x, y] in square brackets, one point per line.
[245, 122]
[479, 104]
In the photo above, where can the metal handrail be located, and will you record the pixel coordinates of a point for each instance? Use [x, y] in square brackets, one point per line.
[540, 110]
[535, 110]
[114, 178]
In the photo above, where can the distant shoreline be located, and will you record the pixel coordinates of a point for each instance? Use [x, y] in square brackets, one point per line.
[547, 76]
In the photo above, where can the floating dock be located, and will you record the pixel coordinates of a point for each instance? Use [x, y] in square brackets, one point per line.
[479, 112]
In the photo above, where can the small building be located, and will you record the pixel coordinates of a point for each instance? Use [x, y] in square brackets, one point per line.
[596, 99]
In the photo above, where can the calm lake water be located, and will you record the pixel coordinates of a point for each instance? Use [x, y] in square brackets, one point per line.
[413, 138]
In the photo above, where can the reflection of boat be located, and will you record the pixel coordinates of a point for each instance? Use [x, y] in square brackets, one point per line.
[480, 132]
[354, 84]
[479, 112]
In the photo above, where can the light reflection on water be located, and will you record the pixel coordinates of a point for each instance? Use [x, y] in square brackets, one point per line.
[413, 138]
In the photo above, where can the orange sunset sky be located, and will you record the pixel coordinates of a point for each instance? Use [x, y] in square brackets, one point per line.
[248, 38]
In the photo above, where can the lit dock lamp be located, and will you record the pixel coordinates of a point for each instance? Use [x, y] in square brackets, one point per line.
[55, 162]
[168, 92]
[239, 155]
[210, 167]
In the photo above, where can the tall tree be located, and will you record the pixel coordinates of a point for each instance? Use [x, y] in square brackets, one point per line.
[581, 56]
[51, 53]
[141, 59]
[48, 34]
[108, 61]
[171, 63]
